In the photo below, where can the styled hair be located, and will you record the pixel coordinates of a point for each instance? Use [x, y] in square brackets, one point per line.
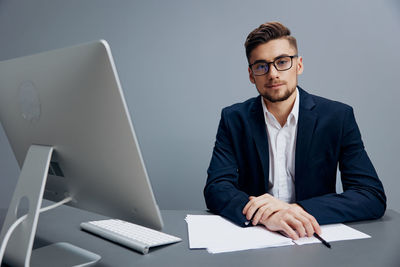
[265, 33]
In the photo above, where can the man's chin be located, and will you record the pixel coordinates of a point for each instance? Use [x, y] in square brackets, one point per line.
[278, 97]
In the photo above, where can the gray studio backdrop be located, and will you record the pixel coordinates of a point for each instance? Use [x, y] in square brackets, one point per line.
[180, 62]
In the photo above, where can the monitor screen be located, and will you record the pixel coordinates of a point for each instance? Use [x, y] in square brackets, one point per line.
[71, 99]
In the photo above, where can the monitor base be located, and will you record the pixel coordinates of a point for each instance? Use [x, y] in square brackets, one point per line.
[62, 255]
[29, 195]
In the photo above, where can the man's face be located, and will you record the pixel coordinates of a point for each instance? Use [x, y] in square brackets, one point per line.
[276, 86]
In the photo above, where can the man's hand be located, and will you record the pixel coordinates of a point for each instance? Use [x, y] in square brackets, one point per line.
[262, 207]
[294, 222]
[277, 215]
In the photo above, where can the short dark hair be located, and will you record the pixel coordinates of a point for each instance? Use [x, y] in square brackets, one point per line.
[265, 33]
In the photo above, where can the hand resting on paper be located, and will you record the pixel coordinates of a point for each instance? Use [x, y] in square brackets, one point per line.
[276, 215]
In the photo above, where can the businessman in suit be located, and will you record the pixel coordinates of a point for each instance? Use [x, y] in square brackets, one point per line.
[276, 155]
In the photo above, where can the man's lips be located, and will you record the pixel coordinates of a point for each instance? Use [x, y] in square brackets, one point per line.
[275, 85]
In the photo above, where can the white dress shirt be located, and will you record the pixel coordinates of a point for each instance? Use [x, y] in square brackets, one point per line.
[282, 150]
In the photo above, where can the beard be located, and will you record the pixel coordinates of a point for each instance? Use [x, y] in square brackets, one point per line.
[279, 98]
[273, 98]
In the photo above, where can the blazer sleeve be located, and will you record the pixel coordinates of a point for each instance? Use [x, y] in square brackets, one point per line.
[363, 195]
[221, 191]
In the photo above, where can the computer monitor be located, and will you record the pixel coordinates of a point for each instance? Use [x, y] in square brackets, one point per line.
[71, 100]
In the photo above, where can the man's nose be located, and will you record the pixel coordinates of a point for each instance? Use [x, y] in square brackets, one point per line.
[273, 72]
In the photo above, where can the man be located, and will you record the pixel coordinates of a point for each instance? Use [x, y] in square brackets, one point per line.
[275, 157]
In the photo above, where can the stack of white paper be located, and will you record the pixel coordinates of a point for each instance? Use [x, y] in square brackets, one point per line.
[217, 235]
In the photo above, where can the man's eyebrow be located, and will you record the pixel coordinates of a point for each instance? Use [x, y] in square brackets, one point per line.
[265, 61]
[282, 55]
[259, 61]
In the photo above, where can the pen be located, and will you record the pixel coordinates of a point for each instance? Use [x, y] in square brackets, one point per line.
[322, 240]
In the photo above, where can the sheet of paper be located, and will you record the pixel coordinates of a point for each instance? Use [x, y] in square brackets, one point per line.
[217, 235]
[334, 232]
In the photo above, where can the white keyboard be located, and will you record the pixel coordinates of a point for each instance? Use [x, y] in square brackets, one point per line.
[128, 234]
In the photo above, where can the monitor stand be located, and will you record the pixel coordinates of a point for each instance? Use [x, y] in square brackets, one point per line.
[29, 190]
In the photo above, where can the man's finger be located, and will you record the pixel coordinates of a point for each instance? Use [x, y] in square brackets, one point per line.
[258, 215]
[263, 212]
[306, 222]
[255, 204]
[289, 231]
[248, 205]
[314, 223]
[268, 212]
[296, 225]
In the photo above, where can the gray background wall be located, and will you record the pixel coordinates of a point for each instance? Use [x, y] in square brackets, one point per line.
[180, 62]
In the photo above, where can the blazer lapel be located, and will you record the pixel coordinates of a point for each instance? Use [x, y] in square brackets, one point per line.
[305, 130]
[258, 127]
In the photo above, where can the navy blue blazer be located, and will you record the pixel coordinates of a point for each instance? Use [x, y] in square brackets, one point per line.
[327, 135]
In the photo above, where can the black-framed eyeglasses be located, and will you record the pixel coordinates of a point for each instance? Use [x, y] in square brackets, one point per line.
[281, 63]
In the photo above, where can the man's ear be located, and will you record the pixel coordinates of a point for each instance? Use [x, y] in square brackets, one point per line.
[299, 65]
[251, 76]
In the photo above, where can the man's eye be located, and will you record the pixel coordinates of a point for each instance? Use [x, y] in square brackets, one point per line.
[282, 62]
[260, 66]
